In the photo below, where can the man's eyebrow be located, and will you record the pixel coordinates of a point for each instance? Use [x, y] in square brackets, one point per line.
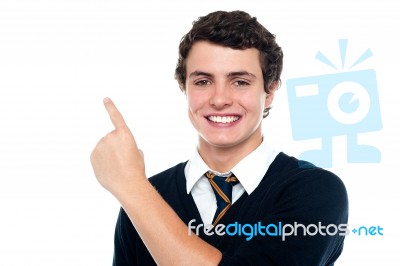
[231, 74]
[200, 73]
[241, 73]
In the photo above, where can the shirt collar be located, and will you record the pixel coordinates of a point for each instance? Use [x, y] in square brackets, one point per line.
[250, 170]
[194, 170]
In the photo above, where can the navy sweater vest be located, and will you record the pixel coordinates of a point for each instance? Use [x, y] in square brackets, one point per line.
[292, 193]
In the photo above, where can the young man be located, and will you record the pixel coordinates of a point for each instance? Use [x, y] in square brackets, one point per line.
[279, 211]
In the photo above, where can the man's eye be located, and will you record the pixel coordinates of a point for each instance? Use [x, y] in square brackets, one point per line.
[202, 82]
[241, 83]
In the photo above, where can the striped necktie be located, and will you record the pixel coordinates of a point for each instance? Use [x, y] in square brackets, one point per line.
[222, 187]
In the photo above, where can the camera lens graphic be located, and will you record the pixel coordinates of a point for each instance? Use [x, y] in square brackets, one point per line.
[348, 103]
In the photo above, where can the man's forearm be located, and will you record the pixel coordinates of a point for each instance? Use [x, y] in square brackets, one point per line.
[162, 231]
[119, 167]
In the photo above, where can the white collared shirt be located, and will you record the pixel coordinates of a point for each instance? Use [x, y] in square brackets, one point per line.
[250, 171]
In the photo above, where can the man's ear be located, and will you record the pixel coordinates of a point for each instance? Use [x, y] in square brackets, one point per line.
[273, 86]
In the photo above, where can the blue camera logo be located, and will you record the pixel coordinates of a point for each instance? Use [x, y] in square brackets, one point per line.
[344, 103]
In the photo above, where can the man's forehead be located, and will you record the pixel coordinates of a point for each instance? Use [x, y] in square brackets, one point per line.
[208, 58]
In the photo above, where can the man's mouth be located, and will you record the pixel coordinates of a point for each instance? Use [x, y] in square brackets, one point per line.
[222, 119]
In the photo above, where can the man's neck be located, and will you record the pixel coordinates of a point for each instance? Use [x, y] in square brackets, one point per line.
[223, 159]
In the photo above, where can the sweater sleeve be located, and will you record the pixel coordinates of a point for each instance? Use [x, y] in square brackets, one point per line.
[312, 201]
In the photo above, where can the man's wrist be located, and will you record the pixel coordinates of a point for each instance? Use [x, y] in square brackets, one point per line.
[134, 191]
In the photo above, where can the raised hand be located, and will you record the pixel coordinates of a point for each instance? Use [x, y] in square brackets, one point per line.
[119, 167]
[116, 160]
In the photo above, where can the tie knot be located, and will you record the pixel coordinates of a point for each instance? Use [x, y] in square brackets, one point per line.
[231, 178]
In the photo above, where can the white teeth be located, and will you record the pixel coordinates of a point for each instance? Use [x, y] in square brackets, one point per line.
[223, 119]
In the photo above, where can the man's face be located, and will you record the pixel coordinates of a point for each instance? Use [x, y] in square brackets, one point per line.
[226, 97]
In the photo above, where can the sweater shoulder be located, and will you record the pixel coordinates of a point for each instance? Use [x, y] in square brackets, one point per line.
[287, 169]
[302, 182]
[171, 176]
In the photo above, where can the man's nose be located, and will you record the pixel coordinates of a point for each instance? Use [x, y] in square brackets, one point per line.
[221, 96]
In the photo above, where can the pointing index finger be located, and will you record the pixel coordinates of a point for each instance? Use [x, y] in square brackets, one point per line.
[115, 116]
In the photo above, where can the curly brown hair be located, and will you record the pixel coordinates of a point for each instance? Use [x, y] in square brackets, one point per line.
[237, 30]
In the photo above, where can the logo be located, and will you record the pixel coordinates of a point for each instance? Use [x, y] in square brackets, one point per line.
[274, 230]
[344, 103]
[368, 231]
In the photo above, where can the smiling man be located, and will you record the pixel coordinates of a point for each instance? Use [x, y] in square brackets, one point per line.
[226, 99]
[229, 67]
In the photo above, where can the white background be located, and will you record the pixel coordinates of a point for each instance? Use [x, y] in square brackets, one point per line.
[59, 59]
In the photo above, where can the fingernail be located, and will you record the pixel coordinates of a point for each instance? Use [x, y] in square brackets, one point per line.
[106, 100]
